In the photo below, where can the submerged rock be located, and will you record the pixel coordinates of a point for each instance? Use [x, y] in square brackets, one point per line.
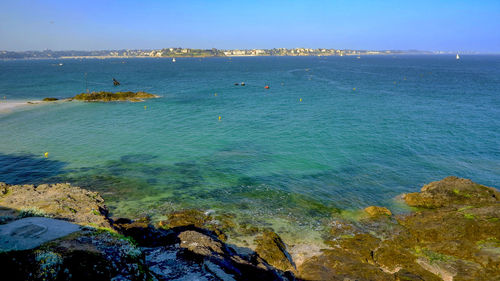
[110, 96]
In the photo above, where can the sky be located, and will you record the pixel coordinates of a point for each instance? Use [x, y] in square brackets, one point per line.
[460, 25]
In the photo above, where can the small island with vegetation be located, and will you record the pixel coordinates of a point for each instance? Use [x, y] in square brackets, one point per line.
[110, 96]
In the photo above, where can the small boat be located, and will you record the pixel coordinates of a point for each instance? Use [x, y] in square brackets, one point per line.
[266, 87]
[173, 60]
[60, 64]
[358, 57]
[115, 82]
[236, 84]
[458, 57]
[242, 83]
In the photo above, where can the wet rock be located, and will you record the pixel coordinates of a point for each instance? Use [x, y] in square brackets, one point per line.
[272, 249]
[374, 211]
[50, 99]
[452, 191]
[62, 201]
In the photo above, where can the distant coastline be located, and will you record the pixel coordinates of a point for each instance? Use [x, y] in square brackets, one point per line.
[199, 53]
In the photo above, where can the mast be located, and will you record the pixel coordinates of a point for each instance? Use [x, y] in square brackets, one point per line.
[86, 85]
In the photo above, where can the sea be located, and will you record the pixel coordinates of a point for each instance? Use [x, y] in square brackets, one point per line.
[331, 135]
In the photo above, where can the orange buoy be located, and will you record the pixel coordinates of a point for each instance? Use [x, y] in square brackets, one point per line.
[266, 87]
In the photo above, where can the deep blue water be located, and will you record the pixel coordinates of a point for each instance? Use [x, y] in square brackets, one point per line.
[365, 131]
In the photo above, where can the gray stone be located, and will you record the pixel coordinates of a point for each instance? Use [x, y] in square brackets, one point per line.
[31, 232]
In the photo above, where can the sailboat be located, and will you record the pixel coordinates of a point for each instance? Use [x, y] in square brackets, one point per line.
[173, 60]
[458, 57]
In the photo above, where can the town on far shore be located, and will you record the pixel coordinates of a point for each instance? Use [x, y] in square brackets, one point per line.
[188, 52]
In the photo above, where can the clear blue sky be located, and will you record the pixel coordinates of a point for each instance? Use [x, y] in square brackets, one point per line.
[464, 25]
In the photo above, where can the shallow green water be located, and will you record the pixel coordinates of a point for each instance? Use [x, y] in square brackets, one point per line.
[272, 159]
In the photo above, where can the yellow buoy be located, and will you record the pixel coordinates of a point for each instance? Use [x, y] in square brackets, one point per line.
[354, 89]
[46, 154]
[394, 82]
[215, 94]
[220, 118]
[145, 107]
[300, 99]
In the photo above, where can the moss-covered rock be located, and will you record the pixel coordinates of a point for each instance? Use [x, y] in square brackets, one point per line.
[337, 264]
[50, 99]
[110, 96]
[453, 236]
[452, 191]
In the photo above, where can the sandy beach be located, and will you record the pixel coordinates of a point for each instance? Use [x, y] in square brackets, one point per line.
[9, 106]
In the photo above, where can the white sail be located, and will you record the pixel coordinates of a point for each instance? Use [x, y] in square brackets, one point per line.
[458, 57]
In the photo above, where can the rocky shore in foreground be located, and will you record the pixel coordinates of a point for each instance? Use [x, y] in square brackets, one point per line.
[452, 234]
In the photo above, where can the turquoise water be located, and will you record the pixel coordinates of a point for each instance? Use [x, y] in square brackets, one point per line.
[272, 159]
